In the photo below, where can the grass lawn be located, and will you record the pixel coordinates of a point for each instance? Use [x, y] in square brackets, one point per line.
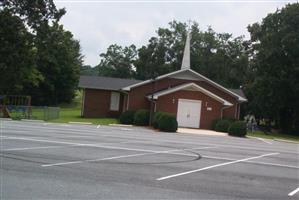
[281, 136]
[73, 115]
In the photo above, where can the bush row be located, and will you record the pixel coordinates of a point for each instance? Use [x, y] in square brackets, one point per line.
[165, 122]
[161, 120]
[232, 127]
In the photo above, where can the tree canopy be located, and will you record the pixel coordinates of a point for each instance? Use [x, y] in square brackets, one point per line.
[220, 57]
[118, 61]
[38, 57]
[274, 92]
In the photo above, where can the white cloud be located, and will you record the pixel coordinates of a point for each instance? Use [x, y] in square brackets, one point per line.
[98, 24]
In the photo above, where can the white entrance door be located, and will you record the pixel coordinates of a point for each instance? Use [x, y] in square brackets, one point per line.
[188, 114]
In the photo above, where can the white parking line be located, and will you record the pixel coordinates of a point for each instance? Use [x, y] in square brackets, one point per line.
[93, 145]
[261, 139]
[213, 166]
[125, 156]
[156, 139]
[34, 148]
[253, 162]
[293, 192]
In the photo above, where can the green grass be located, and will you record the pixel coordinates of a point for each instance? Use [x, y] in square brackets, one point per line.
[272, 136]
[70, 112]
[73, 115]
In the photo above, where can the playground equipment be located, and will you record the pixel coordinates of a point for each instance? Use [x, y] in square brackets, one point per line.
[19, 107]
[15, 104]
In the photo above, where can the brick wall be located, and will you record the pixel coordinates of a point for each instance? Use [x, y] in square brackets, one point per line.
[169, 103]
[97, 104]
[137, 96]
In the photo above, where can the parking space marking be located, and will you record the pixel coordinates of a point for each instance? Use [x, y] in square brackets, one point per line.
[126, 156]
[157, 139]
[261, 139]
[253, 162]
[213, 166]
[95, 145]
[35, 148]
[293, 192]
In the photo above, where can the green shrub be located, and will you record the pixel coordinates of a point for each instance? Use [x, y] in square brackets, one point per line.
[222, 125]
[127, 117]
[214, 123]
[141, 117]
[167, 122]
[238, 128]
[157, 117]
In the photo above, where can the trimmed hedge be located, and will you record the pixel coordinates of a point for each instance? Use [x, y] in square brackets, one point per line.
[127, 117]
[156, 118]
[222, 125]
[167, 123]
[141, 117]
[237, 128]
[214, 123]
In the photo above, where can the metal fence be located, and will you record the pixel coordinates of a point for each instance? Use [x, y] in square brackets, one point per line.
[31, 112]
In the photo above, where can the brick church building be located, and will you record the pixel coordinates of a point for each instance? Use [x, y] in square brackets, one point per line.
[194, 99]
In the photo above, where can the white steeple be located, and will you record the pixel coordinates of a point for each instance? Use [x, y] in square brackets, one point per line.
[186, 56]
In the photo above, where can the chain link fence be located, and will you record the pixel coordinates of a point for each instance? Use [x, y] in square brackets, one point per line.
[31, 112]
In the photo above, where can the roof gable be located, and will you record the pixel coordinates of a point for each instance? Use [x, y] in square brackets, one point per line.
[192, 87]
[191, 75]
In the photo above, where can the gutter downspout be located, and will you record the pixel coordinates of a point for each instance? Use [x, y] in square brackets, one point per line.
[83, 102]
[236, 110]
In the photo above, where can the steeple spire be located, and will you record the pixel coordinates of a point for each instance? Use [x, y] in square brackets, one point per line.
[186, 56]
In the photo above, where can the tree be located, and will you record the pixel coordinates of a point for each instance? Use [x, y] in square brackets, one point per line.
[220, 57]
[118, 61]
[89, 70]
[17, 55]
[40, 58]
[59, 60]
[34, 13]
[275, 90]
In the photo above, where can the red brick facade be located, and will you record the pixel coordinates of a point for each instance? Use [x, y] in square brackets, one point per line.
[97, 104]
[169, 103]
[138, 100]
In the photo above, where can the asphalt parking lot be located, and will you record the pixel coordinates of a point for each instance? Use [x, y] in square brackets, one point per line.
[66, 161]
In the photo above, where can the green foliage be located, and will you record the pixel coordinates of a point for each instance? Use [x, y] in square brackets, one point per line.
[118, 61]
[127, 117]
[88, 70]
[34, 13]
[237, 128]
[274, 93]
[214, 123]
[37, 56]
[17, 55]
[156, 119]
[59, 60]
[222, 125]
[141, 117]
[167, 122]
[220, 57]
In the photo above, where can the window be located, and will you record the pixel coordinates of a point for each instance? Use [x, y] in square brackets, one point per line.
[114, 101]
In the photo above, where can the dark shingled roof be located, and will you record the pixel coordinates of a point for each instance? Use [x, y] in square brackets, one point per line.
[105, 83]
[238, 92]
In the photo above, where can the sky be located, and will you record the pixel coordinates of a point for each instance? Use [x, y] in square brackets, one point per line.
[100, 23]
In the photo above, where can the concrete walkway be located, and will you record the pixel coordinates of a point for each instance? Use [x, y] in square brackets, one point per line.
[200, 132]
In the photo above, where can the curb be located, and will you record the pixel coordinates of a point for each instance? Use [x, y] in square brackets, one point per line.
[288, 141]
[5, 119]
[121, 125]
[84, 123]
[32, 120]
